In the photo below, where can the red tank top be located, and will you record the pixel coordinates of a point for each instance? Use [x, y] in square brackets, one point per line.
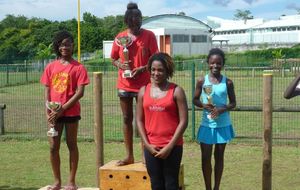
[161, 117]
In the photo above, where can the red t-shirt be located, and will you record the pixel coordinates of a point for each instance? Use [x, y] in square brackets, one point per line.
[143, 46]
[161, 117]
[63, 81]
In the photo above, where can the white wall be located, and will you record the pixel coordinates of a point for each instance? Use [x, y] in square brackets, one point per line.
[107, 46]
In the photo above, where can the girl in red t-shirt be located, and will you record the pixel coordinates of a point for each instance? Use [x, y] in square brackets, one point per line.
[162, 117]
[141, 44]
[64, 81]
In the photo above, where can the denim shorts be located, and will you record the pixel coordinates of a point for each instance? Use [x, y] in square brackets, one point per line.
[126, 94]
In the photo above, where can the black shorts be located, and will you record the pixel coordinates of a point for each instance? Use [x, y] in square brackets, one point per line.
[126, 94]
[68, 119]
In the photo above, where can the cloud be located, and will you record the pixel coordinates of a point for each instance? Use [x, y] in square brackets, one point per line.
[293, 6]
[223, 3]
[250, 1]
[226, 3]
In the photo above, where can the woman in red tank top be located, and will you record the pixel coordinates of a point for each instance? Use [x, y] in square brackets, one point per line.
[162, 117]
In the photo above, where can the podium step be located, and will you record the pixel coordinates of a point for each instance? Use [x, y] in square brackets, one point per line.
[128, 177]
[81, 188]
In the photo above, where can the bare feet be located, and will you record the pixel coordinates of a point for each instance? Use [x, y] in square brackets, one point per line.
[124, 162]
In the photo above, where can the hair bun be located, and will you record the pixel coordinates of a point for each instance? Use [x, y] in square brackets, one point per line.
[131, 6]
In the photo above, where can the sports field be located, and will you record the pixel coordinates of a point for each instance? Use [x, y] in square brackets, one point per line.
[25, 165]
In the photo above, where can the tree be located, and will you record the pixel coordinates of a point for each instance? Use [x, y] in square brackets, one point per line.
[44, 51]
[243, 15]
[23, 38]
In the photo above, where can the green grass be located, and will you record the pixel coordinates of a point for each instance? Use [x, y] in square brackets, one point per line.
[25, 165]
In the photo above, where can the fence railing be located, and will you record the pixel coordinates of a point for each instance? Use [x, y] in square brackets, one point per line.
[24, 114]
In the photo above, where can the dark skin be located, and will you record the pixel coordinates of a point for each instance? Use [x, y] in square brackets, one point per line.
[134, 28]
[66, 50]
[215, 63]
[292, 90]
[159, 88]
[126, 103]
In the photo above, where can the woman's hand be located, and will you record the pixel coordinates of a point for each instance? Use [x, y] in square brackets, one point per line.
[124, 66]
[152, 149]
[54, 115]
[164, 152]
[216, 111]
[138, 71]
[208, 107]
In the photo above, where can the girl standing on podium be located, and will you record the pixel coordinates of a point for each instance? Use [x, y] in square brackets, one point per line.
[64, 81]
[141, 46]
[162, 117]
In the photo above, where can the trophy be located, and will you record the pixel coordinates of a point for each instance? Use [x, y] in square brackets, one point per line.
[53, 106]
[125, 42]
[208, 90]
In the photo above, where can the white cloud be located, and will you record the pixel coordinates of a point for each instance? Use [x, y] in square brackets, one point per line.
[67, 9]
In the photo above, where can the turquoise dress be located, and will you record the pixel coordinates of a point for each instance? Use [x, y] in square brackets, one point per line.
[218, 130]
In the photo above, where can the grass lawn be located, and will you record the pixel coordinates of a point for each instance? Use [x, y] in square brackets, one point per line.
[25, 165]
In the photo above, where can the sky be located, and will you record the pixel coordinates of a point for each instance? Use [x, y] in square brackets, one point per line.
[62, 10]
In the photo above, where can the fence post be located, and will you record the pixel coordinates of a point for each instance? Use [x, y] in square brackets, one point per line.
[7, 72]
[2, 107]
[26, 71]
[193, 106]
[98, 118]
[282, 72]
[267, 137]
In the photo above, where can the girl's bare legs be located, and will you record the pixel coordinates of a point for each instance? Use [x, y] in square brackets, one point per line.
[219, 163]
[206, 152]
[71, 137]
[127, 110]
[54, 143]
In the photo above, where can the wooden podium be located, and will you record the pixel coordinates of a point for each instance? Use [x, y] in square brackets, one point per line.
[128, 177]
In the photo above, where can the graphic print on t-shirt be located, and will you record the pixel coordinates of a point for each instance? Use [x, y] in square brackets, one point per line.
[60, 82]
[156, 108]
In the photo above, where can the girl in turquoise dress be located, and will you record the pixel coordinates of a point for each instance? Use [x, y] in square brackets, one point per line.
[211, 94]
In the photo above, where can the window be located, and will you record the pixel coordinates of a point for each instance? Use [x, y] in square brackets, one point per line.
[199, 38]
[180, 38]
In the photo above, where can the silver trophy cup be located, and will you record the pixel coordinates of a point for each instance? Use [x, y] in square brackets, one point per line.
[125, 42]
[52, 106]
[208, 90]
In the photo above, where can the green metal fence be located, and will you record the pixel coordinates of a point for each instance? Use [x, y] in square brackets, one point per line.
[24, 116]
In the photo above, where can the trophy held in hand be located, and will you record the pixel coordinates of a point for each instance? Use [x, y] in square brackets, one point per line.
[53, 106]
[208, 90]
[125, 42]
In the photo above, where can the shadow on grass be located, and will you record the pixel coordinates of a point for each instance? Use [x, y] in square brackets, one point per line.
[17, 188]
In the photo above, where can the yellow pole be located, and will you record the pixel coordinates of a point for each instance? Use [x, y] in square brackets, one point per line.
[78, 32]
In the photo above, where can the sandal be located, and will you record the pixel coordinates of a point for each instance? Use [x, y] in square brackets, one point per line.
[71, 187]
[54, 187]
